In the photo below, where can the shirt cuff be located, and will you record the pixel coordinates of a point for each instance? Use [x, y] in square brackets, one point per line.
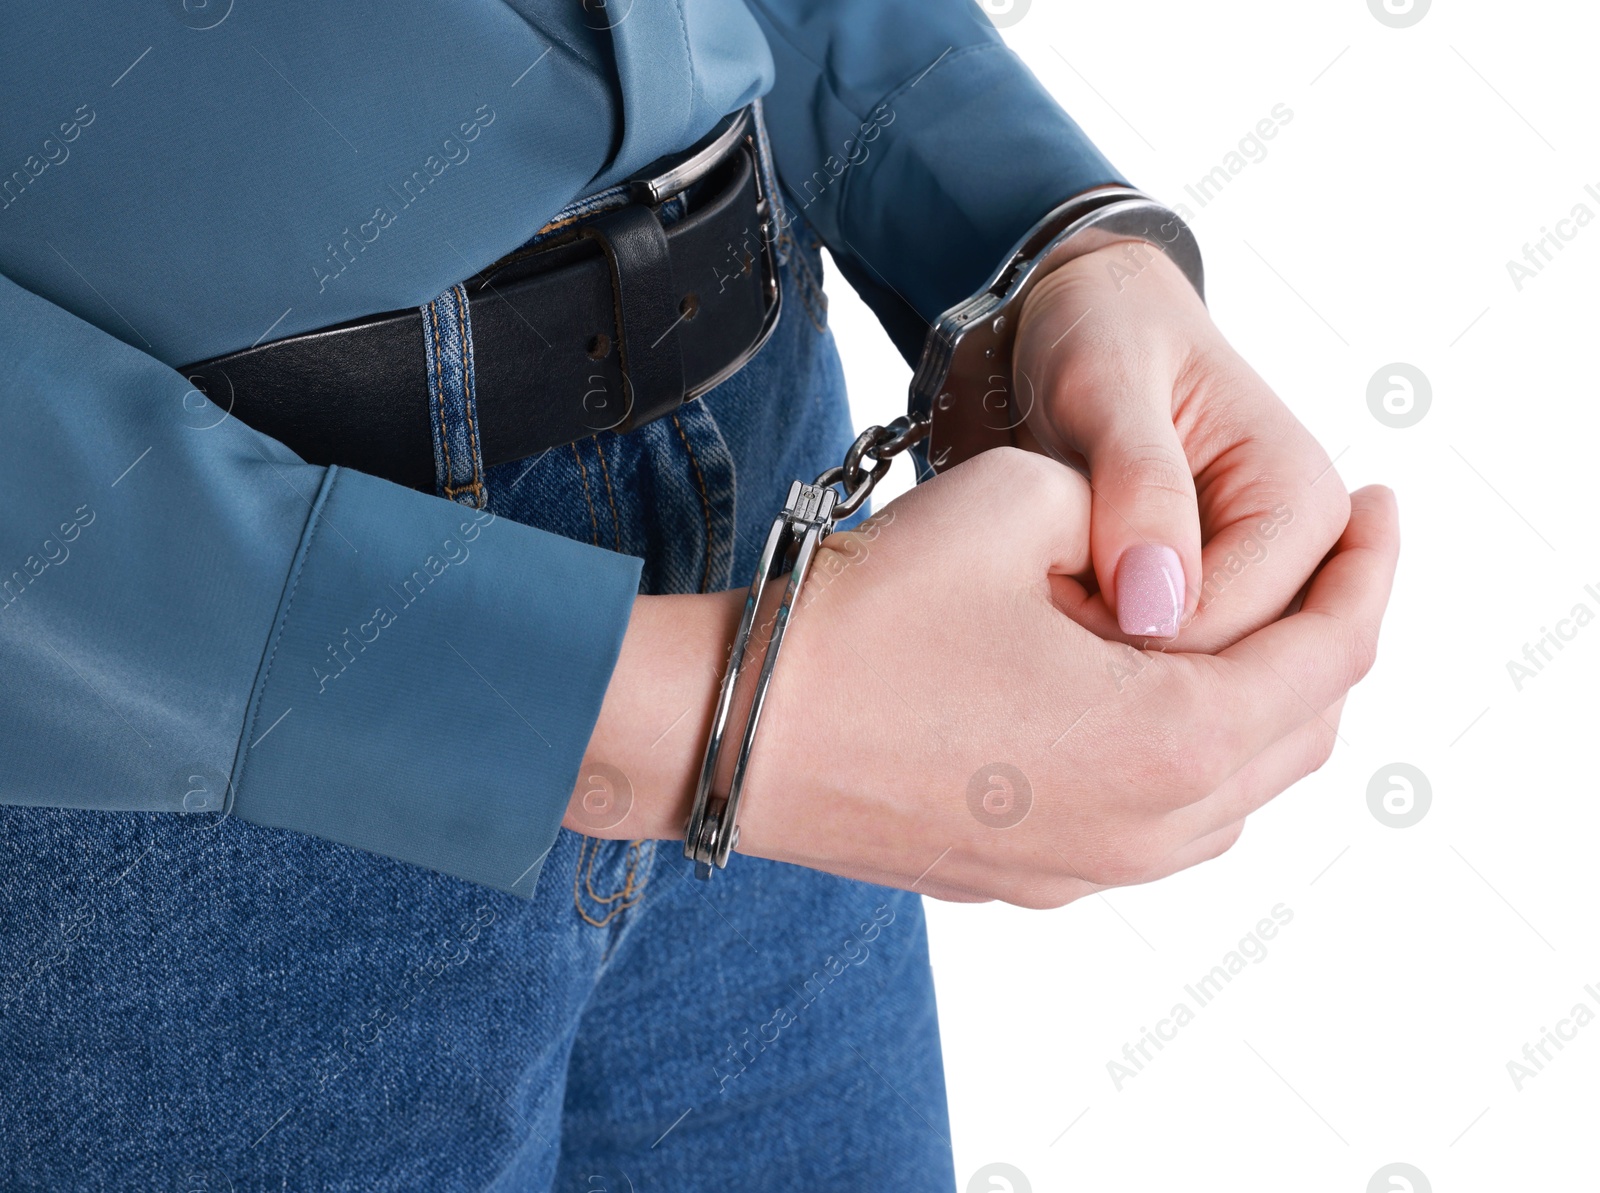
[429, 697]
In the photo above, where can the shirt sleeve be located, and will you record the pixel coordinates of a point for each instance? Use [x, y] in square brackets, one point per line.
[192, 619]
[917, 145]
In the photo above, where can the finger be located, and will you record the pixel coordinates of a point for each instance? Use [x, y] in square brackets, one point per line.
[943, 892]
[1098, 378]
[1261, 780]
[1276, 506]
[1035, 882]
[1033, 510]
[1204, 849]
[1145, 521]
[1284, 674]
[1145, 526]
[1029, 870]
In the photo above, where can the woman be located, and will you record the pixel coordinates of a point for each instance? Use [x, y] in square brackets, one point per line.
[305, 670]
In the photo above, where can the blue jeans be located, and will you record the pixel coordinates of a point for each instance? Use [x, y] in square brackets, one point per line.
[188, 1004]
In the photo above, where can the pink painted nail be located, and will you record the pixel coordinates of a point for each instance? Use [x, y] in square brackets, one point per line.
[1149, 592]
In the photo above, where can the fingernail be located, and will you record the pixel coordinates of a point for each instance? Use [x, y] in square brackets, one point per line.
[1150, 591]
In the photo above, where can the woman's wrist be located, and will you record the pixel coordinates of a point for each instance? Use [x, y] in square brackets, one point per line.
[643, 759]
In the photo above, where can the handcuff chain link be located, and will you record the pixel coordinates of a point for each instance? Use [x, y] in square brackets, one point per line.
[879, 445]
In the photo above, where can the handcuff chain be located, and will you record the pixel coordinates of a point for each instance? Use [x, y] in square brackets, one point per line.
[880, 445]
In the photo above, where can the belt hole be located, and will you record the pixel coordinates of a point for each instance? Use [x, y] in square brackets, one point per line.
[690, 306]
[599, 346]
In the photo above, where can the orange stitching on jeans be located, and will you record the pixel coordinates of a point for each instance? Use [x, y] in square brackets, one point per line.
[588, 877]
[627, 882]
[705, 502]
[583, 877]
[577, 894]
[594, 526]
[605, 470]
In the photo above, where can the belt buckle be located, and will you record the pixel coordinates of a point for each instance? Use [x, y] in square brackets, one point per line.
[665, 178]
[657, 182]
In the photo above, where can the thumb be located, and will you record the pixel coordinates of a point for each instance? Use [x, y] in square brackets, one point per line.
[1144, 520]
[1106, 394]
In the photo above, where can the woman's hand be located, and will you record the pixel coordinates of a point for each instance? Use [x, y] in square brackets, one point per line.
[936, 721]
[1117, 363]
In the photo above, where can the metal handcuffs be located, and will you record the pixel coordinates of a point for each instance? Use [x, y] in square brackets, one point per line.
[961, 401]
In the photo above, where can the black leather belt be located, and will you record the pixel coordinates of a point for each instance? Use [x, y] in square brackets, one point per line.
[603, 325]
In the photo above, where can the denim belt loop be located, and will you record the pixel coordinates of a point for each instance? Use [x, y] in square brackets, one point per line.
[452, 402]
[777, 216]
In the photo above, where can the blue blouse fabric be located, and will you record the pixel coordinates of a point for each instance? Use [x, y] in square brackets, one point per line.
[192, 617]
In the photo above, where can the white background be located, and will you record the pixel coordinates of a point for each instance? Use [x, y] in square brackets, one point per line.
[1419, 960]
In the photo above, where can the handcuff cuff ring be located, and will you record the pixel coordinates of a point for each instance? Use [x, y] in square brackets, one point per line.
[808, 516]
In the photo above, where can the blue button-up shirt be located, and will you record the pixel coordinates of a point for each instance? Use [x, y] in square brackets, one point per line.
[185, 181]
